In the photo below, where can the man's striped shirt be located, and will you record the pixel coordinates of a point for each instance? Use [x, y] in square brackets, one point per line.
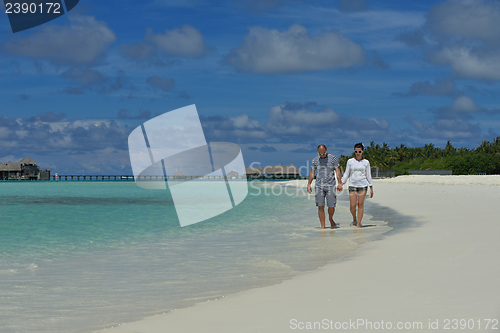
[325, 170]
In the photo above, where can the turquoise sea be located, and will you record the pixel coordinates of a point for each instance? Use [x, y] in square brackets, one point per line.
[76, 256]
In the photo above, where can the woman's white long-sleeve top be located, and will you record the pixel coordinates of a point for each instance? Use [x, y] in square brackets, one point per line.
[359, 173]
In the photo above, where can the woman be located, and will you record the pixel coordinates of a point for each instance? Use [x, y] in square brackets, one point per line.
[359, 173]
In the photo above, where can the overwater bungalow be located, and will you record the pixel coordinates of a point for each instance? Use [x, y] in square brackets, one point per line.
[25, 169]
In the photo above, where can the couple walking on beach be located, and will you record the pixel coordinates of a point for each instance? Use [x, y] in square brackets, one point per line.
[326, 167]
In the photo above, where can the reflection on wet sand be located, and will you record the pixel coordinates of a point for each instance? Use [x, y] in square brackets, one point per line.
[327, 232]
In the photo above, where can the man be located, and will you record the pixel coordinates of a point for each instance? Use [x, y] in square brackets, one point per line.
[326, 167]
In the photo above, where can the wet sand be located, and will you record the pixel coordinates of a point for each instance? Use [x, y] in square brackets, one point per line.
[442, 273]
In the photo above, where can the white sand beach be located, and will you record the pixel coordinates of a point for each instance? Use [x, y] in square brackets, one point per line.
[443, 273]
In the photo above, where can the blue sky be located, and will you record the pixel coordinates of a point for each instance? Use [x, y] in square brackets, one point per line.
[276, 77]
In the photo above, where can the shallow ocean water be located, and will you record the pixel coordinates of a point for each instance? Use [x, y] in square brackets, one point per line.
[76, 256]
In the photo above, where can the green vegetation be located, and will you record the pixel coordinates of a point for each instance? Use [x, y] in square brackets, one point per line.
[485, 158]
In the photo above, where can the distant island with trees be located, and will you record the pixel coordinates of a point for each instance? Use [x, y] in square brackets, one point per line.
[463, 161]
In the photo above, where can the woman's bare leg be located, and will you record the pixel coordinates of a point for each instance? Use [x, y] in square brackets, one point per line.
[361, 206]
[353, 200]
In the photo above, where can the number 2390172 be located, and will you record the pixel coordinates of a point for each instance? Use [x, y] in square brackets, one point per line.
[33, 8]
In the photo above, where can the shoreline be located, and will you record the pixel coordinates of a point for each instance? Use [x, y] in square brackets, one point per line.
[421, 275]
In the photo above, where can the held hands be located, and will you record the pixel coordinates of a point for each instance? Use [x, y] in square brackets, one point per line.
[339, 188]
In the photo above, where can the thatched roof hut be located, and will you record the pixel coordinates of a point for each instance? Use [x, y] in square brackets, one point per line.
[232, 174]
[27, 161]
[10, 166]
[254, 171]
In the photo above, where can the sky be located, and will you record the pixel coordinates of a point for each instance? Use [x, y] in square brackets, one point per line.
[276, 77]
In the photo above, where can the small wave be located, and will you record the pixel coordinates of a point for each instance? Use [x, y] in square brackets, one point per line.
[8, 271]
[272, 264]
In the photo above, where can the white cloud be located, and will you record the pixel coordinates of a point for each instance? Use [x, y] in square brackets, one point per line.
[5, 133]
[10, 158]
[82, 42]
[244, 121]
[34, 134]
[461, 34]
[295, 123]
[282, 118]
[470, 63]
[460, 108]
[469, 19]
[186, 41]
[271, 51]
[100, 161]
[443, 87]
[106, 161]
[448, 129]
[451, 122]
[464, 104]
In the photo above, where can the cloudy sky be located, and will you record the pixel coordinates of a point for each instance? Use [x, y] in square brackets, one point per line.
[276, 77]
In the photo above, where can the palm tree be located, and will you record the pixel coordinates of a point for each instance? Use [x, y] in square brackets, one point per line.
[496, 146]
[449, 149]
[484, 148]
[402, 152]
[429, 150]
[392, 157]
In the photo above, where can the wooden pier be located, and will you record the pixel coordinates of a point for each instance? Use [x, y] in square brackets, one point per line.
[130, 177]
[91, 177]
[155, 178]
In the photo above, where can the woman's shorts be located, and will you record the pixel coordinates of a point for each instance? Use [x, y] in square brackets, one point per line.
[358, 189]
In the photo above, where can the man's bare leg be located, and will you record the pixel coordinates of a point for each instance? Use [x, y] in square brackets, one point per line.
[321, 215]
[331, 211]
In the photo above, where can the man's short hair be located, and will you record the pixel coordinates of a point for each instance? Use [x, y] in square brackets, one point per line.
[322, 146]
